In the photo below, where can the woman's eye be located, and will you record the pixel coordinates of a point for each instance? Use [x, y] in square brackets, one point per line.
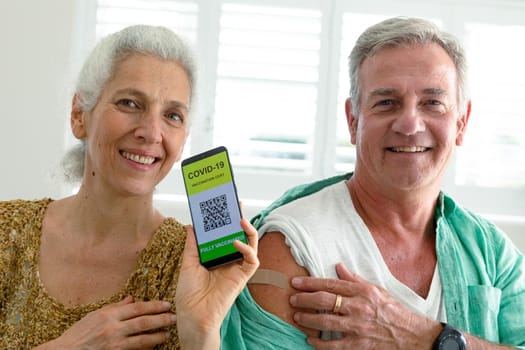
[175, 117]
[125, 102]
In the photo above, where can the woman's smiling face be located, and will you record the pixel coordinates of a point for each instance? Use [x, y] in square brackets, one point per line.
[138, 128]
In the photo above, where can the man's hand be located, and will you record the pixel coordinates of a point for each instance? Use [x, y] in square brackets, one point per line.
[367, 315]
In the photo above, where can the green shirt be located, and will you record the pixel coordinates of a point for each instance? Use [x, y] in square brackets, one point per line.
[482, 275]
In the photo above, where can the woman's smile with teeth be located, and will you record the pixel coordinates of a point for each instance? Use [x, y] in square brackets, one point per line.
[408, 149]
[138, 159]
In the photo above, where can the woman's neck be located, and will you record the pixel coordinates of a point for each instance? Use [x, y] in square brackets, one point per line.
[101, 214]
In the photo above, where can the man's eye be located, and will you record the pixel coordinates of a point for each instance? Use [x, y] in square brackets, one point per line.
[435, 106]
[385, 103]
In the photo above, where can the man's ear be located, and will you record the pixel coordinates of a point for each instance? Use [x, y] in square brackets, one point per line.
[351, 121]
[78, 126]
[462, 125]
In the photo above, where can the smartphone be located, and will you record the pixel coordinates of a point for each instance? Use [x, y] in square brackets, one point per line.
[214, 206]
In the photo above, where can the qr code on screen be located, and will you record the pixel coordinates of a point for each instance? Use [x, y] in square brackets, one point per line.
[215, 213]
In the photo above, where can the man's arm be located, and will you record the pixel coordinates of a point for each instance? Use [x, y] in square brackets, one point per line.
[369, 317]
[275, 255]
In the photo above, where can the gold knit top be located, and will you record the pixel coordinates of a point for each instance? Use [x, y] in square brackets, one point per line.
[30, 317]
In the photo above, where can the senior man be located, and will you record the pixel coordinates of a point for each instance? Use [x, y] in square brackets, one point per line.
[393, 262]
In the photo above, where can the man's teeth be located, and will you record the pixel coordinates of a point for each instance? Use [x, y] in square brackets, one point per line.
[411, 149]
[139, 159]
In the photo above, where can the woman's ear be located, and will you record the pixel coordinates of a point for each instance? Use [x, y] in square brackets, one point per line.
[78, 126]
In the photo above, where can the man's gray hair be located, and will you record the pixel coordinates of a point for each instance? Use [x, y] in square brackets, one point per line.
[402, 31]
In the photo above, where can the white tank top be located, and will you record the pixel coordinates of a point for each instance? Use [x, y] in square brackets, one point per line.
[324, 229]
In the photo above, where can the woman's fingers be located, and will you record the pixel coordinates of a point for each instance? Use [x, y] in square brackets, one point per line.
[250, 261]
[122, 325]
[191, 242]
[142, 308]
[148, 323]
[251, 233]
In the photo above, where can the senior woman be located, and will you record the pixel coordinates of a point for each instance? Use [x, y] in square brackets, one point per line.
[103, 269]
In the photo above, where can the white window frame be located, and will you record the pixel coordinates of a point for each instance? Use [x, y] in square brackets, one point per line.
[261, 187]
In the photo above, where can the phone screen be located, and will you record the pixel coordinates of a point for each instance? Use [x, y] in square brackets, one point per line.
[214, 206]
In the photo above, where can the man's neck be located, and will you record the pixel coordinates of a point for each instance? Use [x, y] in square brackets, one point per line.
[401, 213]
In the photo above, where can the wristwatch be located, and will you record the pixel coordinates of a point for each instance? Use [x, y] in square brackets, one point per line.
[450, 338]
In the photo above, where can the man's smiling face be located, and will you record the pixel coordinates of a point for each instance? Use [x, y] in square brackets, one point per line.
[409, 121]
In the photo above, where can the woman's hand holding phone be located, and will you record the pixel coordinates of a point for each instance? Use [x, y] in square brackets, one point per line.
[204, 296]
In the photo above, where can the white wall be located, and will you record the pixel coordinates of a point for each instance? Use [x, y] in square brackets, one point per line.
[36, 38]
[35, 92]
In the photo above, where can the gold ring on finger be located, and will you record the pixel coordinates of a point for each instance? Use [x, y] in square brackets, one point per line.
[337, 305]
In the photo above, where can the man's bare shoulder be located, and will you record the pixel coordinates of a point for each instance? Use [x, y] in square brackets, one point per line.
[275, 255]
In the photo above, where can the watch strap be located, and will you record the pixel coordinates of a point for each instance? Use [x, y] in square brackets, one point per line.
[449, 336]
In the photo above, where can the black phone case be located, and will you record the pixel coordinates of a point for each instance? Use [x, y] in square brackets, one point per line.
[226, 259]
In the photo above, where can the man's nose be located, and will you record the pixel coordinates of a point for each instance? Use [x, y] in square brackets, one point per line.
[410, 121]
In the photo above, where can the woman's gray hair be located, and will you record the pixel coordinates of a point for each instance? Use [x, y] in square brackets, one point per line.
[402, 31]
[100, 65]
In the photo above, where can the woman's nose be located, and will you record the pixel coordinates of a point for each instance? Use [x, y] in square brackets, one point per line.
[149, 128]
